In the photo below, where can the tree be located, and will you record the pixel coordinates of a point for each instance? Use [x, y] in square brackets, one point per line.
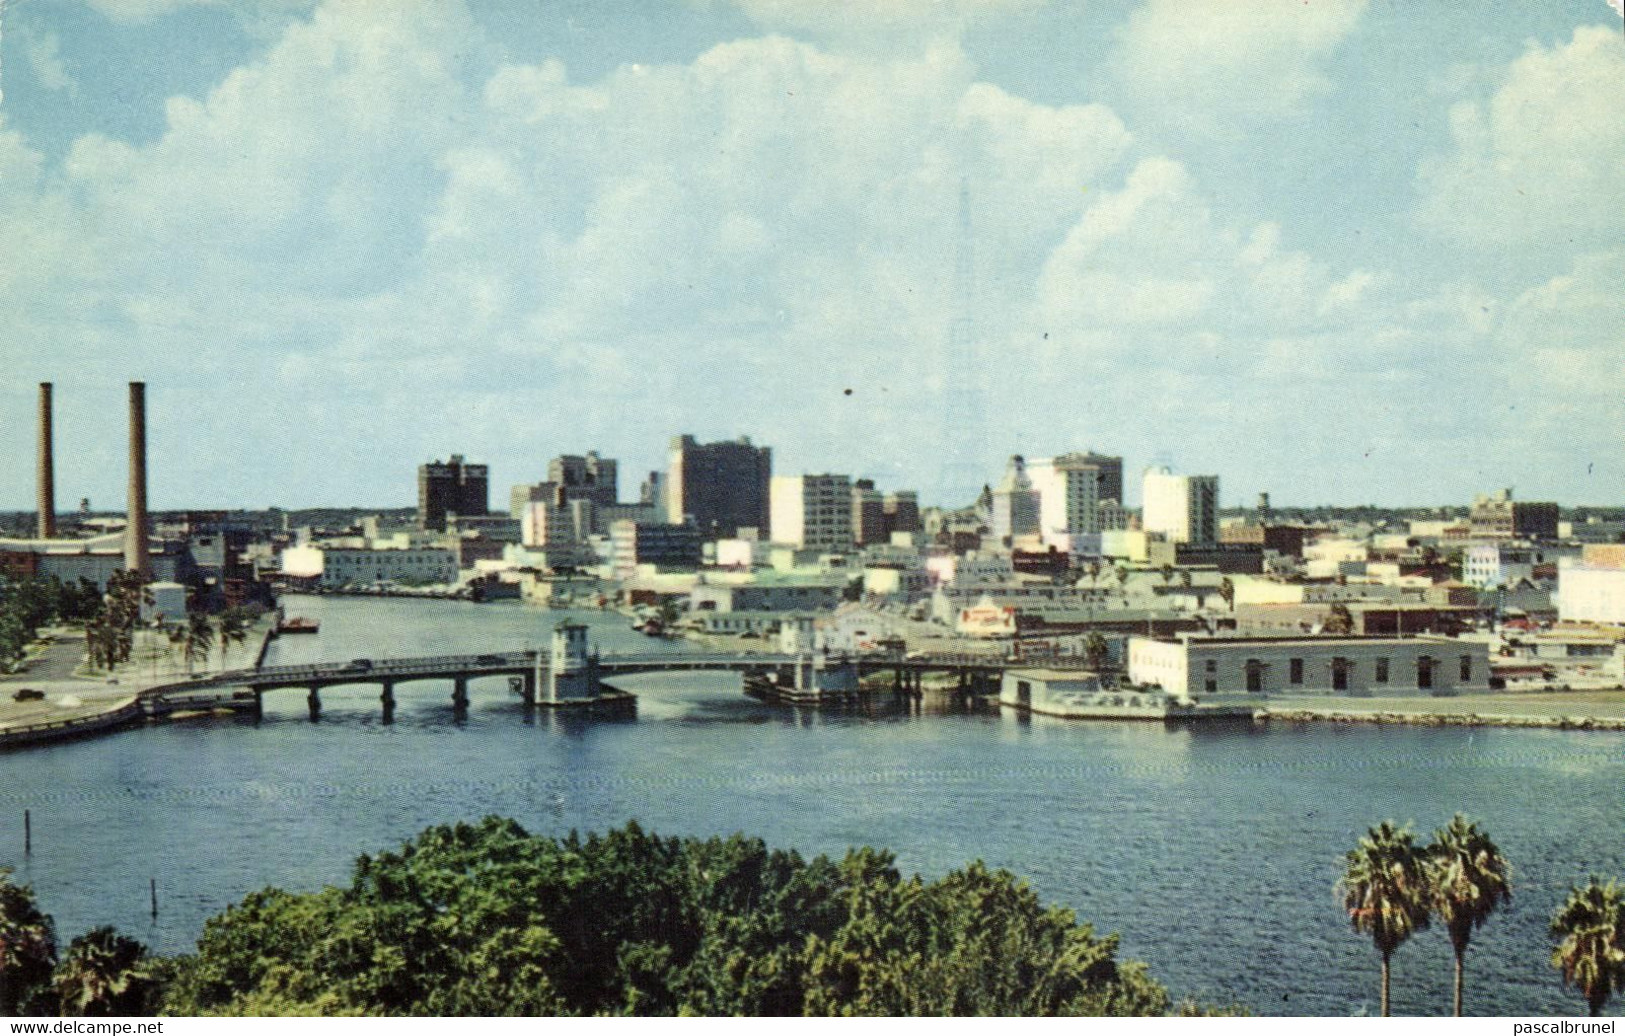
[1227, 591]
[230, 628]
[1095, 650]
[1339, 620]
[102, 975]
[1469, 880]
[488, 920]
[199, 638]
[1385, 891]
[27, 950]
[1590, 929]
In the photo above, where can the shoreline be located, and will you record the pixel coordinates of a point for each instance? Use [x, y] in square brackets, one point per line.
[1267, 715]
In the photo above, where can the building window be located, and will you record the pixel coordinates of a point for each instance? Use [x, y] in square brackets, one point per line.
[1466, 668]
[1211, 686]
[1424, 672]
[1212, 665]
[1295, 673]
[1382, 670]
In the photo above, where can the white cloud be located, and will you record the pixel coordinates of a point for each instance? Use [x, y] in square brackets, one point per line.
[1208, 64]
[872, 24]
[377, 232]
[1541, 160]
[44, 53]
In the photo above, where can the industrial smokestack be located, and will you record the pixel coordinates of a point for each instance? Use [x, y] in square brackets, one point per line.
[47, 467]
[136, 558]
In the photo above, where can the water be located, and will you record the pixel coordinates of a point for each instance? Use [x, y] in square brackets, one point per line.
[1213, 852]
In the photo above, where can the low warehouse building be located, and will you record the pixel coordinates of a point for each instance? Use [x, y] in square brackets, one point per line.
[1353, 666]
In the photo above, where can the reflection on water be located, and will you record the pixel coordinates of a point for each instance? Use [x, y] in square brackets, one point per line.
[1213, 851]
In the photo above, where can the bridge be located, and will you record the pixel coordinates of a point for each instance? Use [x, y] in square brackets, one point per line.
[572, 676]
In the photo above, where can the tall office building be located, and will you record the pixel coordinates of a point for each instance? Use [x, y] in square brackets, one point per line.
[813, 512]
[1072, 489]
[585, 478]
[722, 486]
[868, 514]
[902, 511]
[1184, 508]
[1015, 503]
[452, 487]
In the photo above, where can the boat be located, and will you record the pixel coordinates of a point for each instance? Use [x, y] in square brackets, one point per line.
[298, 624]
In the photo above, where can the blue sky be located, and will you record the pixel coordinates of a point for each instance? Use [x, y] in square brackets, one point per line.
[1346, 251]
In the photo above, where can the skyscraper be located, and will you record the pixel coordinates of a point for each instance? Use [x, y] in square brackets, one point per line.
[1184, 508]
[868, 513]
[1015, 503]
[452, 487]
[813, 512]
[722, 486]
[1072, 488]
[585, 478]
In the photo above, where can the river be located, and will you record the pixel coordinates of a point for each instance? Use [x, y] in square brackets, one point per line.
[1213, 852]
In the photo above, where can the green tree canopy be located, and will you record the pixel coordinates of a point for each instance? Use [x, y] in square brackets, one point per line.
[488, 920]
[1590, 952]
[27, 951]
[103, 975]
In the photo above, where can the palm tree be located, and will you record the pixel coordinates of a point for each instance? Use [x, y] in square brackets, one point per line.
[177, 640]
[1385, 891]
[199, 637]
[231, 628]
[103, 975]
[1470, 879]
[1590, 929]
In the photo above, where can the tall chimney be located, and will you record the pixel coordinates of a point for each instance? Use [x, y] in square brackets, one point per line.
[47, 469]
[136, 558]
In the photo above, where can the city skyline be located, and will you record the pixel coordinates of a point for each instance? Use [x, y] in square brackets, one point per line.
[340, 240]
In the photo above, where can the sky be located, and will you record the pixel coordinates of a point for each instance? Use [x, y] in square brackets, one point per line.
[1343, 251]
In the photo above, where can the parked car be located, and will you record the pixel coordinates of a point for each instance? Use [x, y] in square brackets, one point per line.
[28, 694]
[360, 664]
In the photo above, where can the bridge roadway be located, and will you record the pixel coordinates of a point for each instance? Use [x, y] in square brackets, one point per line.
[218, 688]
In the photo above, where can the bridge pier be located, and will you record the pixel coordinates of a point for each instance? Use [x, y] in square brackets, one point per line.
[459, 694]
[259, 703]
[388, 700]
[525, 687]
[314, 702]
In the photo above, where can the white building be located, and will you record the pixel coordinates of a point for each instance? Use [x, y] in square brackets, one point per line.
[1184, 508]
[1015, 503]
[812, 512]
[1356, 666]
[364, 566]
[1078, 494]
[1592, 589]
[766, 596]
